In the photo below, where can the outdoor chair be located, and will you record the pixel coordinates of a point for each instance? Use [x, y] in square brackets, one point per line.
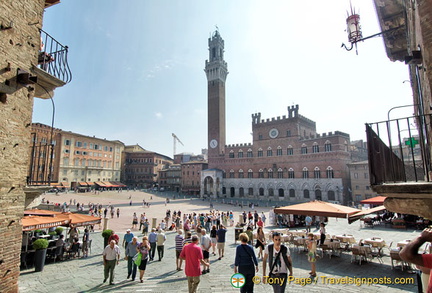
[357, 254]
[395, 257]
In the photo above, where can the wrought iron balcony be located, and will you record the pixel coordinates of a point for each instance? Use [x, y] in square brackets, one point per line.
[52, 67]
[399, 152]
[41, 163]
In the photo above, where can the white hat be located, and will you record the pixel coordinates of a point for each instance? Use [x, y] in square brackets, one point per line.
[128, 230]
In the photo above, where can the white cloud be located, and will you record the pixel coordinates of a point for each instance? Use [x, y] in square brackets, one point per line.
[158, 115]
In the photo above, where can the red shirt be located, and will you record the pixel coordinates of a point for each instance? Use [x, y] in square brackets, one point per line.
[260, 223]
[114, 237]
[192, 253]
[427, 263]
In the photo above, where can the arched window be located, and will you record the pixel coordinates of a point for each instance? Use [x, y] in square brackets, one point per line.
[223, 174]
[331, 195]
[241, 174]
[249, 153]
[291, 173]
[231, 154]
[281, 192]
[290, 151]
[260, 152]
[270, 173]
[317, 173]
[250, 191]
[315, 148]
[241, 192]
[270, 192]
[303, 149]
[330, 173]
[231, 173]
[327, 146]
[280, 173]
[318, 194]
[279, 151]
[269, 152]
[250, 173]
[261, 191]
[292, 192]
[305, 173]
[306, 193]
[260, 173]
[240, 154]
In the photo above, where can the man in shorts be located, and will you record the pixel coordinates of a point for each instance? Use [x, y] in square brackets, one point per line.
[220, 237]
[205, 246]
[178, 247]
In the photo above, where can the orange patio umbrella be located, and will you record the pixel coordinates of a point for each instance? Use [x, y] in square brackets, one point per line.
[317, 208]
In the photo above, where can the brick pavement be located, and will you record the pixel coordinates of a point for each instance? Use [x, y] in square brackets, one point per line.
[86, 274]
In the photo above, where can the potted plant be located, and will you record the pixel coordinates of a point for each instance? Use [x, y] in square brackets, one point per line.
[59, 230]
[38, 232]
[40, 247]
[52, 234]
[106, 234]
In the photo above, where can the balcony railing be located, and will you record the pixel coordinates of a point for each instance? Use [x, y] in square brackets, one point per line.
[399, 150]
[41, 163]
[53, 58]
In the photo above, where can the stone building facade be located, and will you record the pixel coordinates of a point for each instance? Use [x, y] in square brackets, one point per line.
[191, 176]
[20, 80]
[141, 167]
[287, 160]
[170, 178]
[360, 182]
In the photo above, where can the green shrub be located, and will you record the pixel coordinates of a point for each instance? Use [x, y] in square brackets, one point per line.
[40, 244]
[52, 233]
[59, 230]
[106, 233]
[38, 231]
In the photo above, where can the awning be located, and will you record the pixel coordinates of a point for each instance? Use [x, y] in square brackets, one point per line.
[31, 223]
[37, 212]
[101, 184]
[377, 200]
[107, 184]
[91, 183]
[65, 185]
[114, 184]
[317, 208]
[79, 220]
[119, 184]
[357, 216]
[83, 184]
[56, 184]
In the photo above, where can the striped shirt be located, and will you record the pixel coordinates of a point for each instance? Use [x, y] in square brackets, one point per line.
[179, 242]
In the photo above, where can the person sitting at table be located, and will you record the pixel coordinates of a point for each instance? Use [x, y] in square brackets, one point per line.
[73, 233]
[59, 247]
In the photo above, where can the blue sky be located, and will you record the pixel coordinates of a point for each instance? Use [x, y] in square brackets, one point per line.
[138, 68]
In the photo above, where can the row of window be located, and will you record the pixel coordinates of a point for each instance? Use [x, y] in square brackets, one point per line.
[280, 173]
[91, 163]
[91, 154]
[92, 146]
[89, 172]
[281, 192]
[43, 140]
[279, 151]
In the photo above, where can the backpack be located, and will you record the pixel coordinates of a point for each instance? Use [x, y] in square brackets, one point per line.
[283, 251]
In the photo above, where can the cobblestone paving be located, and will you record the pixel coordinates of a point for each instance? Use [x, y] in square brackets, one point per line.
[86, 274]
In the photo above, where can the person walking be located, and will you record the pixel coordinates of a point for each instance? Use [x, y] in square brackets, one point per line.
[86, 241]
[193, 256]
[279, 263]
[205, 246]
[131, 251]
[245, 263]
[260, 242]
[178, 247]
[118, 212]
[127, 238]
[220, 236]
[308, 221]
[144, 248]
[311, 245]
[111, 257]
[114, 237]
[134, 221]
[146, 225]
[213, 239]
[160, 241]
[152, 240]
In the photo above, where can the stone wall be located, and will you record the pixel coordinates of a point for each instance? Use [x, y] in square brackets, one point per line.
[20, 21]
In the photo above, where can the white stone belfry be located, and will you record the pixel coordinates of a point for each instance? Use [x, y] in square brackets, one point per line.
[215, 67]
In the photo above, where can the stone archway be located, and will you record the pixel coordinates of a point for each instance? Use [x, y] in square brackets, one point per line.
[208, 185]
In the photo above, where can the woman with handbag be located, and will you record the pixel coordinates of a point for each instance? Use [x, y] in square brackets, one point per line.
[144, 250]
[246, 263]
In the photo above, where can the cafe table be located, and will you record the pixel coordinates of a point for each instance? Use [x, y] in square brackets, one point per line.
[376, 243]
[402, 243]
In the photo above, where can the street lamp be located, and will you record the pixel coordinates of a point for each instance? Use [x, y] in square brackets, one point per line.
[403, 106]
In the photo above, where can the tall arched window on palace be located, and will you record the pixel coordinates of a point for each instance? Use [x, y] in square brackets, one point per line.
[315, 148]
[305, 173]
[270, 192]
[260, 173]
[290, 151]
[281, 192]
[249, 153]
[231, 154]
[231, 173]
[292, 192]
[306, 193]
[269, 152]
[261, 191]
[280, 173]
[331, 195]
[327, 146]
[241, 192]
[260, 152]
[241, 174]
[240, 154]
[303, 149]
[279, 151]
[270, 173]
[317, 173]
[291, 173]
[250, 191]
[330, 173]
[250, 173]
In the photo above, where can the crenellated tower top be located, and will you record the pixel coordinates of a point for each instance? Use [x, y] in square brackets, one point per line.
[215, 67]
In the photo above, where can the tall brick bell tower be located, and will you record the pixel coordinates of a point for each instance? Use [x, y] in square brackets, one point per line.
[216, 70]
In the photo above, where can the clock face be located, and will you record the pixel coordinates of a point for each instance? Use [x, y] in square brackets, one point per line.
[273, 133]
[213, 143]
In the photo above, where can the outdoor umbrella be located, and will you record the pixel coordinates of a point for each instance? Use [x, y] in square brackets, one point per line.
[317, 208]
